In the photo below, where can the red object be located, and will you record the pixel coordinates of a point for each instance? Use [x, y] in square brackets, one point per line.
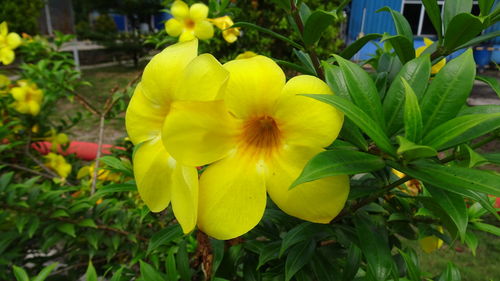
[84, 150]
[497, 203]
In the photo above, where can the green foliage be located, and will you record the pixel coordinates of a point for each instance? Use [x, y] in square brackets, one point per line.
[22, 15]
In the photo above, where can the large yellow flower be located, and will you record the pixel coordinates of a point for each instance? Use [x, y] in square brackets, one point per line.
[189, 22]
[437, 67]
[8, 42]
[231, 34]
[176, 74]
[28, 98]
[260, 136]
[58, 164]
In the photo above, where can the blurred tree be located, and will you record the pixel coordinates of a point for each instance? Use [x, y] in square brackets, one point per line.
[21, 15]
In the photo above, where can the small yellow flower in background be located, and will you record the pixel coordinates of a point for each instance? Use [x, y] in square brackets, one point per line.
[175, 74]
[437, 67]
[189, 22]
[57, 139]
[245, 55]
[230, 35]
[8, 42]
[257, 137]
[4, 84]
[431, 243]
[58, 164]
[103, 174]
[411, 187]
[28, 97]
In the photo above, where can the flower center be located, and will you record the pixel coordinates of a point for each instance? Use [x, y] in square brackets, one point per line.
[189, 23]
[261, 134]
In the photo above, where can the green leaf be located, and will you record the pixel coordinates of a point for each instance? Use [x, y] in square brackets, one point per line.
[360, 118]
[492, 82]
[116, 164]
[432, 10]
[472, 158]
[295, 67]
[304, 11]
[338, 162]
[59, 213]
[5, 180]
[164, 236]
[451, 273]
[353, 48]
[171, 266]
[461, 129]
[412, 115]
[373, 243]
[150, 273]
[218, 247]
[269, 252]
[113, 188]
[298, 256]
[33, 226]
[182, 260]
[462, 28]
[487, 228]
[305, 59]
[316, 25]
[362, 90]
[455, 207]
[67, 228]
[352, 263]
[45, 272]
[301, 232]
[411, 151]
[402, 46]
[448, 91]
[117, 276]
[485, 6]
[412, 269]
[492, 157]
[453, 8]
[336, 80]
[451, 178]
[416, 72]
[91, 275]
[352, 134]
[471, 241]
[403, 28]
[479, 39]
[267, 31]
[479, 109]
[20, 274]
[87, 223]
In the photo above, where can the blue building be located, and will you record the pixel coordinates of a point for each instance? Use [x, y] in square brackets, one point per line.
[363, 19]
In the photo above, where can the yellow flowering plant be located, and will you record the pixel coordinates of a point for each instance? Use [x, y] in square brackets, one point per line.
[8, 42]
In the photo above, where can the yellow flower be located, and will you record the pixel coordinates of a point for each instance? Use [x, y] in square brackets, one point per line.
[258, 137]
[8, 42]
[431, 243]
[102, 174]
[4, 83]
[437, 67]
[175, 74]
[58, 164]
[27, 97]
[230, 35]
[189, 22]
[57, 139]
[246, 55]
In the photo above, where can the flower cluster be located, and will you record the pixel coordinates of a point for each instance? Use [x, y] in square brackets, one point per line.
[8, 42]
[192, 22]
[243, 119]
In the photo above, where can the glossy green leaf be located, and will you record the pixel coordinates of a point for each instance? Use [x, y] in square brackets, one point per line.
[455, 208]
[416, 72]
[479, 109]
[20, 274]
[487, 228]
[298, 256]
[336, 80]
[352, 134]
[361, 119]
[164, 236]
[412, 269]
[301, 232]
[305, 59]
[316, 25]
[267, 31]
[269, 252]
[353, 48]
[322, 268]
[462, 28]
[362, 89]
[91, 274]
[338, 162]
[87, 223]
[218, 254]
[45, 272]
[485, 6]
[492, 82]
[471, 158]
[411, 151]
[373, 243]
[437, 211]
[402, 46]
[296, 67]
[353, 262]
[113, 188]
[304, 11]
[471, 241]
[453, 8]
[432, 10]
[171, 267]
[461, 129]
[412, 115]
[448, 91]
[67, 228]
[150, 273]
[492, 157]
[117, 276]
[479, 39]
[403, 28]
[182, 260]
[451, 273]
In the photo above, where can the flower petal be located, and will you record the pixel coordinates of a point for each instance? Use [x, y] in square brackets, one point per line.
[185, 196]
[7, 56]
[153, 169]
[306, 121]
[3, 29]
[203, 79]
[318, 201]
[13, 40]
[144, 118]
[204, 30]
[179, 9]
[254, 86]
[199, 133]
[162, 74]
[173, 27]
[187, 35]
[198, 11]
[232, 198]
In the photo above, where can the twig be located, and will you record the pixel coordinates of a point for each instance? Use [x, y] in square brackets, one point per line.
[22, 168]
[98, 154]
